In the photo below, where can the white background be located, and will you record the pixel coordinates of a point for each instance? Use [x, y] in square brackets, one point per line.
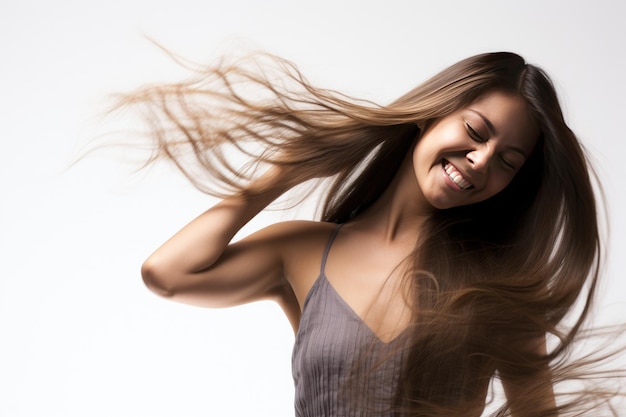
[79, 334]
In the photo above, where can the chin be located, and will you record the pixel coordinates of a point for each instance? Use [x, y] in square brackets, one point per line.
[443, 205]
[446, 205]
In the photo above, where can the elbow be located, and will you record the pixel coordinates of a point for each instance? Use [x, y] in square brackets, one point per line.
[156, 278]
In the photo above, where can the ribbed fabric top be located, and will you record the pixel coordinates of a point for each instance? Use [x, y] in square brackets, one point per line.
[340, 367]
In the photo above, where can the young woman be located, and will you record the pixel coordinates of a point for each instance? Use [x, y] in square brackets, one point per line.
[459, 228]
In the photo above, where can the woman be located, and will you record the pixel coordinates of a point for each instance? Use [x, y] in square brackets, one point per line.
[458, 231]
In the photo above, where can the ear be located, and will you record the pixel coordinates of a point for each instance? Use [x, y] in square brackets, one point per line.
[421, 128]
[424, 125]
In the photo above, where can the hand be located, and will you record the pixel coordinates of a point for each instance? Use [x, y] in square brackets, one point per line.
[275, 181]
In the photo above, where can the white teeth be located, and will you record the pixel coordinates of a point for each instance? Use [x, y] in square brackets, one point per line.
[456, 176]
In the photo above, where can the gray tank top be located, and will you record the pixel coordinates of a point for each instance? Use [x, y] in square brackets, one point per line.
[340, 367]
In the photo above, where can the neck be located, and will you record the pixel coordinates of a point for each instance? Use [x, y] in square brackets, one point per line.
[400, 211]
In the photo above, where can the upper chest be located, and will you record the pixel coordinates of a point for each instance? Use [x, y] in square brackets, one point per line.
[368, 276]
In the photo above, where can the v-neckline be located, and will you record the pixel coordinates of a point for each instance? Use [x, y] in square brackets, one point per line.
[360, 319]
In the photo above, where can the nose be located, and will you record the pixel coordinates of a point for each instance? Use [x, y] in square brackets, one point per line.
[479, 158]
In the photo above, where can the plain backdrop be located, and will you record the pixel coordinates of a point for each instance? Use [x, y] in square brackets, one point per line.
[79, 333]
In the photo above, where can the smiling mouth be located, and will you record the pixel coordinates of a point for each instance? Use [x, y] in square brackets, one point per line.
[455, 176]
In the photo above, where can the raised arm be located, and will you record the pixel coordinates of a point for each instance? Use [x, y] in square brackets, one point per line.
[198, 266]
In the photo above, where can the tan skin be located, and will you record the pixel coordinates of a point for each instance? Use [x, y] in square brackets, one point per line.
[485, 143]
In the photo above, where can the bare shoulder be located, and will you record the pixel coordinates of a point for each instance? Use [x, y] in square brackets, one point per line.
[300, 244]
[291, 236]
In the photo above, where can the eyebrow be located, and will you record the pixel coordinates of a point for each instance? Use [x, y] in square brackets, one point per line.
[518, 150]
[492, 130]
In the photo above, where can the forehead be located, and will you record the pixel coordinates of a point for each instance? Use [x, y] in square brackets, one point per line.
[508, 117]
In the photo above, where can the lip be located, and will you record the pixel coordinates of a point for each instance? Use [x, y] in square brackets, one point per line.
[455, 177]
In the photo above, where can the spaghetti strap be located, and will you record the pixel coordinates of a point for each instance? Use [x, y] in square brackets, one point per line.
[327, 248]
[335, 349]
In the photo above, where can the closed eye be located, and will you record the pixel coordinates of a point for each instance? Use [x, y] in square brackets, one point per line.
[473, 134]
[508, 164]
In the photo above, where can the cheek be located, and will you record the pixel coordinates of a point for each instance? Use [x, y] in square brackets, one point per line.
[426, 151]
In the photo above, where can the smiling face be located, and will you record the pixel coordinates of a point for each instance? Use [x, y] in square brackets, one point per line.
[474, 153]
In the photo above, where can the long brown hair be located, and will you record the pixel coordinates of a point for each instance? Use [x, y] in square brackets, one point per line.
[487, 277]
